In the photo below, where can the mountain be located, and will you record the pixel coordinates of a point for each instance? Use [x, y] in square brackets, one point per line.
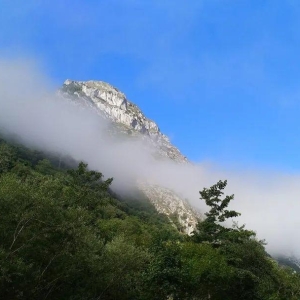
[127, 119]
[109, 102]
[65, 234]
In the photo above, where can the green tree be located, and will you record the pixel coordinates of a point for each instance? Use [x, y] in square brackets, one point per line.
[7, 157]
[45, 167]
[211, 229]
[65, 235]
[247, 256]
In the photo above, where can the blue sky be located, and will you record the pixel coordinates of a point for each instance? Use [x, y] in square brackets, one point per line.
[220, 77]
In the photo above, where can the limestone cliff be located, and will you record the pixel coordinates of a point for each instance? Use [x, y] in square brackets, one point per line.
[111, 103]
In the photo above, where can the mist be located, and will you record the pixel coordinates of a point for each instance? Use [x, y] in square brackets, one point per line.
[30, 108]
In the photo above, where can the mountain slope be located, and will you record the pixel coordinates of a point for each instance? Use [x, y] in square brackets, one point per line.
[129, 120]
[113, 104]
[64, 235]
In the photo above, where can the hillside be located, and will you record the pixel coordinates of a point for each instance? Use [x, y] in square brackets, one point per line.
[65, 235]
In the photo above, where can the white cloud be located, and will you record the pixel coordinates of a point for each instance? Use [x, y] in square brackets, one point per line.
[269, 201]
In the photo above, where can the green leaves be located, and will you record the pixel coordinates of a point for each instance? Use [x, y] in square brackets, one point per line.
[212, 198]
[88, 179]
[63, 236]
[210, 230]
[7, 157]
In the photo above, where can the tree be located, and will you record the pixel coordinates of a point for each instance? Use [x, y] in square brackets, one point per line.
[7, 157]
[87, 179]
[251, 266]
[211, 230]
[45, 167]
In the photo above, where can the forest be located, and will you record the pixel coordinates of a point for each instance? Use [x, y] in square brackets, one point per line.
[64, 234]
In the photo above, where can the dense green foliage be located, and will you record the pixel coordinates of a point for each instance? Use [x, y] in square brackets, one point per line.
[65, 235]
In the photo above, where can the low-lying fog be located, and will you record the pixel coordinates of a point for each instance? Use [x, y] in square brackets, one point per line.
[269, 201]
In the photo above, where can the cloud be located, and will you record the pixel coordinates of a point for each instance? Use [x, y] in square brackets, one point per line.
[268, 200]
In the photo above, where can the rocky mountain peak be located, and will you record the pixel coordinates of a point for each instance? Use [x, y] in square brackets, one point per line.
[114, 105]
[111, 103]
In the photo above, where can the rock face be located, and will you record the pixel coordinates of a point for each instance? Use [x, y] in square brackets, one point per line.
[114, 105]
[110, 103]
[290, 261]
[180, 212]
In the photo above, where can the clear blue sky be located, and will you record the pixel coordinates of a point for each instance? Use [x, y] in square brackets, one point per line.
[220, 77]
